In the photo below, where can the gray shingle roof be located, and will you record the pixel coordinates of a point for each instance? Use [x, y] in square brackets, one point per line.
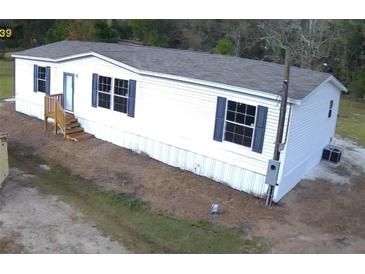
[234, 71]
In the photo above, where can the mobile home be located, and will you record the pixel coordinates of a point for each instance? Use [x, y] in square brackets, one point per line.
[213, 115]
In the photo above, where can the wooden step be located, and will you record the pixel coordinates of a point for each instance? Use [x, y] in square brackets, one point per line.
[69, 115]
[73, 125]
[70, 118]
[79, 136]
[73, 130]
[70, 127]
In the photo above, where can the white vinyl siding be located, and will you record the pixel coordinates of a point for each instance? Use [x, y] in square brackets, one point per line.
[174, 121]
[310, 130]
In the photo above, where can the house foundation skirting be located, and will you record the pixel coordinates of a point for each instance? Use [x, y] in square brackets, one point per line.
[29, 108]
[231, 175]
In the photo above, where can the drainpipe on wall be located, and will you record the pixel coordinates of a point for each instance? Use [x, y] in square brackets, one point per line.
[280, 130]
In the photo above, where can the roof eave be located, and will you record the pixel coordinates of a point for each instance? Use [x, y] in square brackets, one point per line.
[337, 83]
[331, 79]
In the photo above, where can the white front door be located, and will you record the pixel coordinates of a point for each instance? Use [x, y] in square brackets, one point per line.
[68, 91]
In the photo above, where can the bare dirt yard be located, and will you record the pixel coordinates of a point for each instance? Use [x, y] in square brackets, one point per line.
[323, 214]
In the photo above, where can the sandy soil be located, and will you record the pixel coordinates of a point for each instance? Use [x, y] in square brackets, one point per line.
[34, 223]
[316, 217]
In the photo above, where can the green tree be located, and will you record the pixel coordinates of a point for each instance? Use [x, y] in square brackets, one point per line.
[224, 46]
[27, 33]
[201, 35]
[82, 30]
[60, 31]
[103, 31]
[357, 86]
[350, 52]
[150, 32]
[121, 26]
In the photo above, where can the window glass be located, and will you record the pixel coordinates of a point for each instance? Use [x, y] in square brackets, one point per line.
[104, 100]
[120, 104]
[239, 124]
[120, 95]
[232, 105]
[104, 84]
[104, 88]
[41, 80]
[121, 87]
[330, 109]
[113, 93]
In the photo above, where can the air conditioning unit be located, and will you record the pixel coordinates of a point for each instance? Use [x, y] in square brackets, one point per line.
[332, 153]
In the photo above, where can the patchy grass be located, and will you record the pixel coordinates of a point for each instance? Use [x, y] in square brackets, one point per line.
[130, 221]
[351, 120]
[6, 79]
[7, 56]
[8, 245]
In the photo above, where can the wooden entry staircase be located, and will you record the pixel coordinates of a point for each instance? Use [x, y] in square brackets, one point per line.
[64, 121]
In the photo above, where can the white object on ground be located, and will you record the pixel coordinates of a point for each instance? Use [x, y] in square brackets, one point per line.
[45, 167]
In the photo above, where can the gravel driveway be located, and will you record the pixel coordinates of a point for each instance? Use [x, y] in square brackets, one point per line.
[31, 222]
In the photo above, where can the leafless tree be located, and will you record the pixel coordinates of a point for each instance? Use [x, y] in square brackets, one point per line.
[309, 41]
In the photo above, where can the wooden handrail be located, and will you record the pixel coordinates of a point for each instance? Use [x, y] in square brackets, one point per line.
[49, 103]
[60, 118]
[53, 108]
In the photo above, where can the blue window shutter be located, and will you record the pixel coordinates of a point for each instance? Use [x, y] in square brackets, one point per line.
[219, 119]
[94, 90]
[35, 78]
[131, 104]
[259, 135]
[48, 80]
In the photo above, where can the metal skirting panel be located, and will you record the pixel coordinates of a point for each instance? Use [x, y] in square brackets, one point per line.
[30, 109]
[233, 176]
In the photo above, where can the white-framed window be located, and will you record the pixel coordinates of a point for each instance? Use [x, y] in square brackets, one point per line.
[330, 109]
[239, 123]
[120, 95]
[104, 91]
[113, 93]
[41, 79]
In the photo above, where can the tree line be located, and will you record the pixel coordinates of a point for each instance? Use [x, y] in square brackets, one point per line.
[334, 46]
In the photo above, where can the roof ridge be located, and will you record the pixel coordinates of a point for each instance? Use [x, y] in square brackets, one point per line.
[126, 44]
[199, 52]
